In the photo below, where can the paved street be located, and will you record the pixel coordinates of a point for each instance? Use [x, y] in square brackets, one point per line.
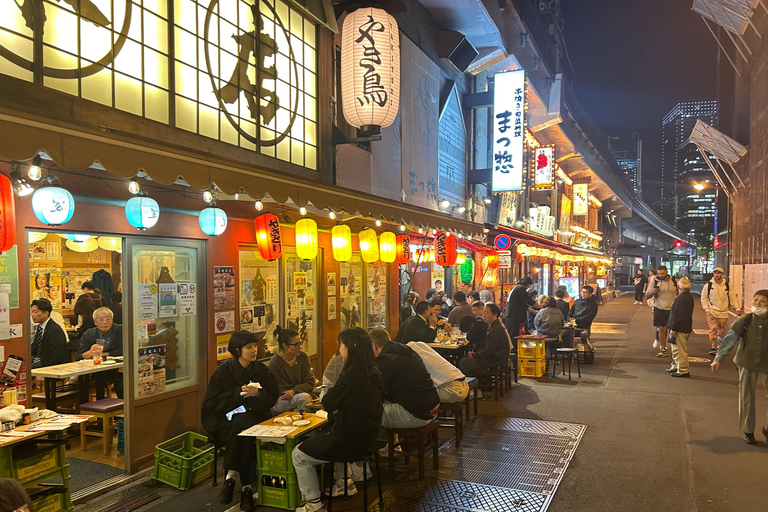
[652, 442]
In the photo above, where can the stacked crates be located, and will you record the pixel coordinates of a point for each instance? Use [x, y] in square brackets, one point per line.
[278, 486]
[183, 460]
[530, 354]
[35, 461]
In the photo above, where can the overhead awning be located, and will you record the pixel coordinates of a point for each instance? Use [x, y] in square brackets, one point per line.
[732, 15]
[78, 149]
[726, 150]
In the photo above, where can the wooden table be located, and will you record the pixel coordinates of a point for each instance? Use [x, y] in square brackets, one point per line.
[80, 369]
[452, 353]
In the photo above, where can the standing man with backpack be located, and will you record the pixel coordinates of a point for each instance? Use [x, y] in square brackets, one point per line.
[717, 298]
[663, 293]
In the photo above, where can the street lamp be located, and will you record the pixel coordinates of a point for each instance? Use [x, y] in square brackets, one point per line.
[699, 186]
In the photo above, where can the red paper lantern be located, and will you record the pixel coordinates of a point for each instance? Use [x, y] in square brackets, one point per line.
[493, 259]
[403, 249]
[268, 236]
[445, 249]
[7, 215]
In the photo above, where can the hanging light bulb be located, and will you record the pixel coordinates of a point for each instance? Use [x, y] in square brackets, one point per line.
[402, 226]
[303, 210]
[378, 223]
[445, 203]
[35, 173]
[208, 196]
[331, 214]
[133, 187]
[461, 208]
[487, 200]
[20, 185]
[259, 205]
[421, 230]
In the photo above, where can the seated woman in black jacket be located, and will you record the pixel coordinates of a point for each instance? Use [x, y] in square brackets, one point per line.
[228, 392]
[354, 406]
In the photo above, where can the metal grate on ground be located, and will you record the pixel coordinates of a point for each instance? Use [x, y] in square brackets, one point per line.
[503, 464]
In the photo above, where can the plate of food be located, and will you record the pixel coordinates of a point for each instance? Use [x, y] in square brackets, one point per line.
[301, 423]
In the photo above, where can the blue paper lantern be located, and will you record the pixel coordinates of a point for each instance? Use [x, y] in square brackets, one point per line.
[77, 237]
[142, 212]
[213, 221]
[53, 205]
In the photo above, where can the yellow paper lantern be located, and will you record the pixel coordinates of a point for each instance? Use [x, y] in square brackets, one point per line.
[387, 247]
[461, 258]
[85, 246]
[110, 243]
[306, 239]
[370, 68]
[369, 246]
[341, 240]
[36, 236]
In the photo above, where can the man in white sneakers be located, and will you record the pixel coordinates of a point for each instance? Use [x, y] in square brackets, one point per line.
[717, 298]
[663, 294]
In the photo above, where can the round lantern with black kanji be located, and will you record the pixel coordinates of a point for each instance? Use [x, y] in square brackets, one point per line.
[268, 236]
[403, 249]
[445, 249]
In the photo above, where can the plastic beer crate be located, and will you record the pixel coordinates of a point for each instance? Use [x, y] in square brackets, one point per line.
[530, 348]
[278, 489]
[531, 367]
[183, 461]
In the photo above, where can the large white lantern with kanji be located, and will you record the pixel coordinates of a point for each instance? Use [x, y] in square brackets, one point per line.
[370, 68]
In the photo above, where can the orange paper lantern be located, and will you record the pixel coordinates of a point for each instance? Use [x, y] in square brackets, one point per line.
[445, 249]
[7, 215]
[268, 236]
[493, 259]
[403, 249]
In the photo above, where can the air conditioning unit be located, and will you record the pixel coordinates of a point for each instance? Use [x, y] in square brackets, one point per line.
[455, 50]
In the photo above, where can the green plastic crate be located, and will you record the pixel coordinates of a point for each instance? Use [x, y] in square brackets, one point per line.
[120, 436]
[274, 456]
[183, 461]
[288, 498]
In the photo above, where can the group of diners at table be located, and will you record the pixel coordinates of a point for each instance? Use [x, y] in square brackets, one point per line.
[371, 382]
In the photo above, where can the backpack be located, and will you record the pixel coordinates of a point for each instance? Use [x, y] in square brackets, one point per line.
[727, 294]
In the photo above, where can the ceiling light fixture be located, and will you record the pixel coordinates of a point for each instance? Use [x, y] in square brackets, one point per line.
[259, 205]
[35, 173]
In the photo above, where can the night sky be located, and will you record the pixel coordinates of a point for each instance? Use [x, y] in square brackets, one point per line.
[634, 60]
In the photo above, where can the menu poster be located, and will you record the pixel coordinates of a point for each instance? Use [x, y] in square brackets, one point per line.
[331, 308]
[246, 319]
[168, 293]
[222, 350]
[331, 281]
[187, 299]
[224, 321]
[223, 287]
[52, 251]
[309, 299]
[259, 318]
[151, 369]
[146, 298]
[271, 290]
[38, 251]
[299, 280]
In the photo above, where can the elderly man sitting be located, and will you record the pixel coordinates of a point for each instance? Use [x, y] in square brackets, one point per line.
[107, 339]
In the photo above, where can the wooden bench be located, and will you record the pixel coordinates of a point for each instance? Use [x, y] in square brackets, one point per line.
[106, 409]
[424, 438]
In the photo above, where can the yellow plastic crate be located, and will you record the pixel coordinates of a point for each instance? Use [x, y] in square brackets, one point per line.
[531, 367]
[530, 348]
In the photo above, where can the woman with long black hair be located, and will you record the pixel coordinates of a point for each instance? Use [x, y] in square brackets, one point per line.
[354, 406]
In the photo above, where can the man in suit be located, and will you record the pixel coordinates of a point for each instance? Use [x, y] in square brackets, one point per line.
[49, 345]
[496, 349]
[107, 338]
[421, 326]
[519, 304]
[476, 334]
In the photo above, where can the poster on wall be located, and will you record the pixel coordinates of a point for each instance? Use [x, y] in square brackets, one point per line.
[544, 167]
[146, 300]
[222, 352]
[331, 281]
[167, 292]
[299, 280]
[9, 275]
[580, 199]
[508, 131]
[151, 370]
[508, 209]
[187, 299]
[223, 287]
[571, 285]
[38, 251]
[565, 213]
[246, 319]
[331, 308]
[13, 376]
[437, 275]
[271, 290]
[224, 321]
[52, 251]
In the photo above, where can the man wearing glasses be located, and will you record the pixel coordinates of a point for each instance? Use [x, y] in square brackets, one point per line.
[106, 339]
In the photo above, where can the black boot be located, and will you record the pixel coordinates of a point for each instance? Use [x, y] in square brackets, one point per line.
[246, 499]
[225, 496]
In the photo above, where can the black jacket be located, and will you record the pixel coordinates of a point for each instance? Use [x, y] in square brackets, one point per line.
[681, 314]
[415, 329]
[584, 311]
[354, 406]
[406, 380]
[223, 395]
[476, 334]
[113, 348]
[496, 350]
[54, 345]
[518, 303]
[564, 307]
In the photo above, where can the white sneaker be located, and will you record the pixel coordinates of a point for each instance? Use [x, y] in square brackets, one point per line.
[357, 472]
[338, 487]
[311, 507]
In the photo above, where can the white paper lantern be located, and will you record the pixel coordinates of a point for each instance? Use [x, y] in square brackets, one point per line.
[370, 68]
[87, 246]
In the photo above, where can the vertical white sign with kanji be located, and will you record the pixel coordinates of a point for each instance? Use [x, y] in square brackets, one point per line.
[508, 131]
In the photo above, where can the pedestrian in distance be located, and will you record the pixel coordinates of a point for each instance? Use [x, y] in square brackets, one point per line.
[640, 283]
[680, 326]
[717, 299]
[663, 294]
[752, 360]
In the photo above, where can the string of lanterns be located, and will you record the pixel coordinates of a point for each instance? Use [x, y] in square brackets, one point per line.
[525, 250]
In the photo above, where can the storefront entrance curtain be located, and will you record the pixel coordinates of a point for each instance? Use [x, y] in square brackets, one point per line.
[79, 149]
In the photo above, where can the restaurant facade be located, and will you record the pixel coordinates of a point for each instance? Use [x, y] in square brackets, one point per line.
[222, 174]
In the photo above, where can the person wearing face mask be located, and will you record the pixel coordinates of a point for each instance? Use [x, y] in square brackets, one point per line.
[751, 358]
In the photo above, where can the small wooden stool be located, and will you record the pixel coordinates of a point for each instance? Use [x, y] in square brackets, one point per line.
[106, 409]
[473, 385]
[452, 421]
[426, 433]
[491, 379]
[570, 353]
